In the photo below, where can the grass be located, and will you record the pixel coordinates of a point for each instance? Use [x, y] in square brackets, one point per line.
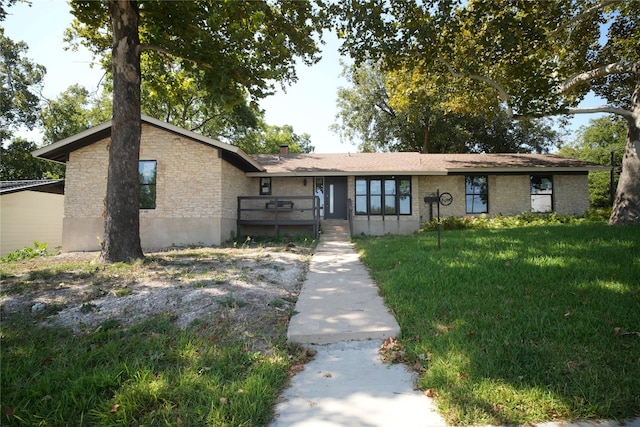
[518, 325]
[152, 373]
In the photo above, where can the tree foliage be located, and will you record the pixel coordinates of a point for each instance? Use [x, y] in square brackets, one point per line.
[228, 50]
[72, 112]
[534, 58]
[20, 83]
[595, 143]
[401, 110]
[17, 163]
[267, 139]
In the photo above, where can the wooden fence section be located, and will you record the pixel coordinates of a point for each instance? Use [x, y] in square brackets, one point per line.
[279, 211]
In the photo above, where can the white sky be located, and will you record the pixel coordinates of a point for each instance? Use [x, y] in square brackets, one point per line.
[309, 105]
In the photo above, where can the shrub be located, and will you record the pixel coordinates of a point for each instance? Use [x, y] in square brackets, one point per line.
[38, 249]
[500, 221]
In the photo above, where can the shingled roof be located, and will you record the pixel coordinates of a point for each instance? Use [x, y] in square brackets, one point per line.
[53, 186]
[416, 164]
[395, 163]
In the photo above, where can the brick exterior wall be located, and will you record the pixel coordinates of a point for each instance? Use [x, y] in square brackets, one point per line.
[570, 194]
[508, 194]
[189, 178]
[195, 193]
[86, 181]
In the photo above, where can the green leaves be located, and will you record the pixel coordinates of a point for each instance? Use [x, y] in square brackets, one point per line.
[20, 81]
[229, 48]
[414, 109]
[526, 48]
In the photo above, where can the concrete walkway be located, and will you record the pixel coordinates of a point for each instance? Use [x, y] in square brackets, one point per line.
[341, 316]
[339, 301]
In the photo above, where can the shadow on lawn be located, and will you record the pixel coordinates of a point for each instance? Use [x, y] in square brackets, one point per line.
[520, 325]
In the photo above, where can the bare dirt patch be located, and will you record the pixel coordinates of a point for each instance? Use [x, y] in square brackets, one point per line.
[251, 290]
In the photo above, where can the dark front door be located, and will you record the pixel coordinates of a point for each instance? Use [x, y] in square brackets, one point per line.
[335, 197]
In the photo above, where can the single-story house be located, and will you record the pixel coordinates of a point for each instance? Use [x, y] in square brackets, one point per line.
[30, 211]
[197, 190]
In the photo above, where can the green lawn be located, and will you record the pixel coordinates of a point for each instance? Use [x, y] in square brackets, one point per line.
[518, 325]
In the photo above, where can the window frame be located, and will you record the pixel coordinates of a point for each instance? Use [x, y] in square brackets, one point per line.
[265, 186]
[151, 185]
[476, 195]
[541, 192]
[377, 198]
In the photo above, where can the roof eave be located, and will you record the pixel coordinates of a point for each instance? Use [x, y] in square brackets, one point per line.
[525, 169]
[343, 173]
[58, 151]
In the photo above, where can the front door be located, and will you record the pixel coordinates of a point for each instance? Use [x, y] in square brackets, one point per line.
[335, 197]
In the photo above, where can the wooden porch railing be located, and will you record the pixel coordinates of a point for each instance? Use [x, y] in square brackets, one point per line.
[279, 211]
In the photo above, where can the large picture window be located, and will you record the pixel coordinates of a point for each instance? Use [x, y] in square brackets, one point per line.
[541, 193]
[383, 196]
[147, 176]
[476, 194]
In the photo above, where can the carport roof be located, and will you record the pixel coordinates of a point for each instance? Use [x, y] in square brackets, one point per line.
[53, 186]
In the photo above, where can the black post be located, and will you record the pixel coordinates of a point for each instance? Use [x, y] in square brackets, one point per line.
[438, 203]
[612, 191]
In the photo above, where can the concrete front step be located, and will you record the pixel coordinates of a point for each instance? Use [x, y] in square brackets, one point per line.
[335, 230]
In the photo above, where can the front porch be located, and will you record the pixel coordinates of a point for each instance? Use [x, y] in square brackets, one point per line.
[273, 214]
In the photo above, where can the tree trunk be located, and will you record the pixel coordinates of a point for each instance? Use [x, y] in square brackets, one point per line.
[122, 208]
[426, 138]
[626, 205]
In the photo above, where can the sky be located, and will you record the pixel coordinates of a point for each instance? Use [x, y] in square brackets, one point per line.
[309, 105]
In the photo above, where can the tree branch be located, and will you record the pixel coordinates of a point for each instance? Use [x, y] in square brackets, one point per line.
[502, 93]
[605, 70]
[156, 48]
[601, 109]
[588, 110]
[579, 17]
[204, 122]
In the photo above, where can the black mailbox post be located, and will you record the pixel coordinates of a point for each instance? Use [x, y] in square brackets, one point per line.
[444, 199]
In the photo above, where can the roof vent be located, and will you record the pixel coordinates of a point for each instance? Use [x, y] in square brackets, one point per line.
[284, 149]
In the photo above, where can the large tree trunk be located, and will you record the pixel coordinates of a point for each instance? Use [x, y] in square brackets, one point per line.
[122, 214]
[626, 205]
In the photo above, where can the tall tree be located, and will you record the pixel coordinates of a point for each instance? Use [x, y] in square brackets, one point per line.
[401, 110]
[230, 49]
[535, 58]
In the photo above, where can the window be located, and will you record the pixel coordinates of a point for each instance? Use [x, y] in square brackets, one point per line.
[265, 186]
[383, 196]
[320, 193]
[541, 193]
[147, 176]
[476, 194]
